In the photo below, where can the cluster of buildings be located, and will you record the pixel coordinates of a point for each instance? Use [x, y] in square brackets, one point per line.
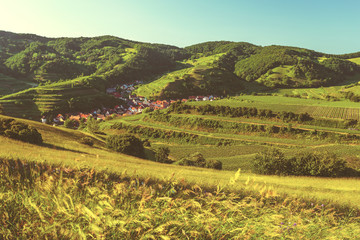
[133, 104]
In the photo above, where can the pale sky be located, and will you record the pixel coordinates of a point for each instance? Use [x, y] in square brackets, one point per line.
[331, 26]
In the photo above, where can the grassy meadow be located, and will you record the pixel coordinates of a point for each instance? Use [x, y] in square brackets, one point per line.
[72, 190]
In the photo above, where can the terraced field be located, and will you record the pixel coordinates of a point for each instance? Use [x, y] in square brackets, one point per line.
[243, 145]
[10, 85]
[33, 102]
[317, 108]
[335, 112]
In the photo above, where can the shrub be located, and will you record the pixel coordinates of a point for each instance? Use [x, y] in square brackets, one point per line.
[270, 161]
[198, 160]
[215, 164]
[92, 125]
[162, 155]
[127, 144]
[324, 164]
[318, 164]
[69, 123]
[20, 131]
[82, 124]
[87, 141]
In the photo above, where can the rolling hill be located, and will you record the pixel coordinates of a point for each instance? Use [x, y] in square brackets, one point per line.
[63, 67]
[63, 183]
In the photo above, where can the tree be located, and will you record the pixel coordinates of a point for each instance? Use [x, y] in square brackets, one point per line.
[92, 125]
[270, 161]
[127, 144]
[69, 123]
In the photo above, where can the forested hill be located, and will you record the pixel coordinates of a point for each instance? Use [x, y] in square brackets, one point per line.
[83, 67]
[51, 59]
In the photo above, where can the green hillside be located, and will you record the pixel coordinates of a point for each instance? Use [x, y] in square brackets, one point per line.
[269, 67]
[73, 73]
[210, 68]
[355, 60]
[9, 84]
[200, 76]
[80, 94]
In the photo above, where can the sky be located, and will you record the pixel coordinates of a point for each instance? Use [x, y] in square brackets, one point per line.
[330, 26]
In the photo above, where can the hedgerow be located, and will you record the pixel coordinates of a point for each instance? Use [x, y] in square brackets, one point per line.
[322, 164]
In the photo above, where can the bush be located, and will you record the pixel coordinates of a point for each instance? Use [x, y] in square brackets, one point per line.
[162, 155]
[318, 164]
[127, 144]
[13, 129]
[215, 164]
[198, 160]
[87, 141]
[92, 125]
[324, 164]
[69, 123]
[270, 161]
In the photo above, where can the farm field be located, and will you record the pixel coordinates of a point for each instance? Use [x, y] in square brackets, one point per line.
[32, 102]
[318, 108]
[245, 145]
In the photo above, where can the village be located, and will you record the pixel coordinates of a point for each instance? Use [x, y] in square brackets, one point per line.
[133, 105]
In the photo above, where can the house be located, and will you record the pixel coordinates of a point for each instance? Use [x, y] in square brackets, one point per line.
[43, 119]
[199, 98]
[132, 97]
[192, 97]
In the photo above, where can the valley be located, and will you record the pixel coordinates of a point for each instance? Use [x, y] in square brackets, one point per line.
[215, 140]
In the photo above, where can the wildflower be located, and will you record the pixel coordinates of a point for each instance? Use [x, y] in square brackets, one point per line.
[322, 205]
[282, 223]
[294, 224]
